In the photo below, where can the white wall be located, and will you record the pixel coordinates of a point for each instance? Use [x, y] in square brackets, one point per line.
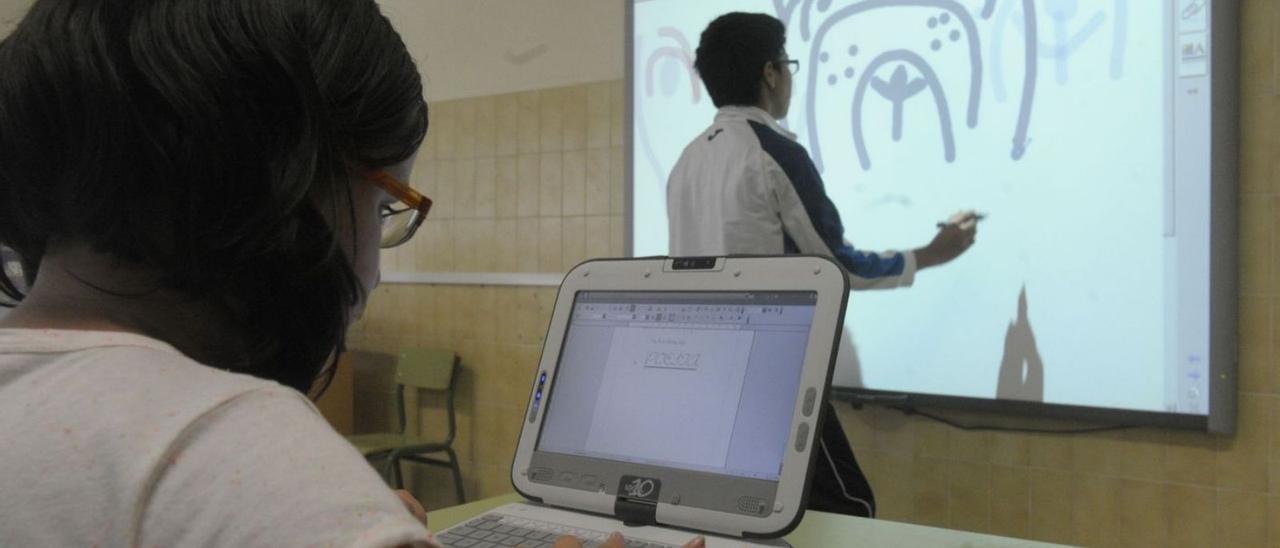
[470, 48]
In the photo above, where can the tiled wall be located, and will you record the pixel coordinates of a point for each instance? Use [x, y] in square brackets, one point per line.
[1132, 488]
[523, 182]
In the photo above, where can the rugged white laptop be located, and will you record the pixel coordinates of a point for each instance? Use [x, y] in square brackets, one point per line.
[675, 397]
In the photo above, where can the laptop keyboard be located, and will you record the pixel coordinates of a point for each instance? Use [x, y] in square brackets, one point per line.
[495, 530]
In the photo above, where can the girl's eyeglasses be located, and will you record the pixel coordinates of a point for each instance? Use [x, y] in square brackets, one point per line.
[399, 223]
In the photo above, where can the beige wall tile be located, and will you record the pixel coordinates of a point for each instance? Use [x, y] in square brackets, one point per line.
[1051, 451]
[528, 136]
[1242, 459]
[443, 246]
[443, 129]
[1094, 508]
[421, 243]
[617, 236]
[486, 126]
[597, 237]
[464, 190]
[492, 481]
[1010, 449]
[551, 120]
[617, 178]
[464, 246]
[506, 193]
[1258, 160]
[930, 498]
[1051, 506]
[573, 241]
[617, 114]
[465, 128]
[528, 171]
[550, 184]
[1273, 520]
[598, 115]
[506, 124]
[505, 238]
[895, 433]
[969, 493]
[1256, 365]
[1142, 514]
[484, 301]
[549, 244]
[1258, 48]
[894, 499]
[1275, 345]
[446, 179]
[1257, 232]
[1189, 515]
[1139, 454]
[486, 187]
[573, 177]
[483, 239]
[1241, 519]
[932, 440]
[1189, 457]
[574, 116]
[970, 446]
[1010, 501]
[599, 182]
[527, 244]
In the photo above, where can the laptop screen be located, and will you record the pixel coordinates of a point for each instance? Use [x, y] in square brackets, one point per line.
[701, 381]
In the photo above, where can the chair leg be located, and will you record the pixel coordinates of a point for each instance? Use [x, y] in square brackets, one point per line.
[457, 474]
[397, 478]
[391, 470]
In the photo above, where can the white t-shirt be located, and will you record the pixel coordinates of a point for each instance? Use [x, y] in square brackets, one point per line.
[114, 439]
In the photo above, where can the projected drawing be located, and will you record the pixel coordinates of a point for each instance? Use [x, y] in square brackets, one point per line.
[1029, 54]
[897, 90]
[988, 6]
[910, 73]
[1021, 369]
[667, 69]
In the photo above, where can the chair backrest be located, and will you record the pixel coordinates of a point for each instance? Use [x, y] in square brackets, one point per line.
[425, 368]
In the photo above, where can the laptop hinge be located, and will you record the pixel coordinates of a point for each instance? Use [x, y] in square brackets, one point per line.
[635, 513]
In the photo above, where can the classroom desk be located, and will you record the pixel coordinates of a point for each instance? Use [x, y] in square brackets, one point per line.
[817, 529]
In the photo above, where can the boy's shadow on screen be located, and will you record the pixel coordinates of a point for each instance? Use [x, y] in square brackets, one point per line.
[1021, 369]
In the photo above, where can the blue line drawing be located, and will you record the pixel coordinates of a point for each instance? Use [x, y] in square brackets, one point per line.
[682, 54]
[1030, 53]
[804, 15]
[899, 90]
[975, 61]
[988, 8]
[1065, 42]
[785, 9]
[1119, 37]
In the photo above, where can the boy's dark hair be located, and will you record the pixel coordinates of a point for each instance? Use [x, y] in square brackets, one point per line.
[732, 53]
[213, 141]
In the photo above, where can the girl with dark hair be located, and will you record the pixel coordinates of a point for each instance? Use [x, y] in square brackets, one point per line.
[196, 192]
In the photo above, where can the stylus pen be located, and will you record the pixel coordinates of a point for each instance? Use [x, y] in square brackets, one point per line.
[976, 217]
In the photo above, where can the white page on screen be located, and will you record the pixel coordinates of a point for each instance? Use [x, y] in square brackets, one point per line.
[703, 369]
[1079, 127]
